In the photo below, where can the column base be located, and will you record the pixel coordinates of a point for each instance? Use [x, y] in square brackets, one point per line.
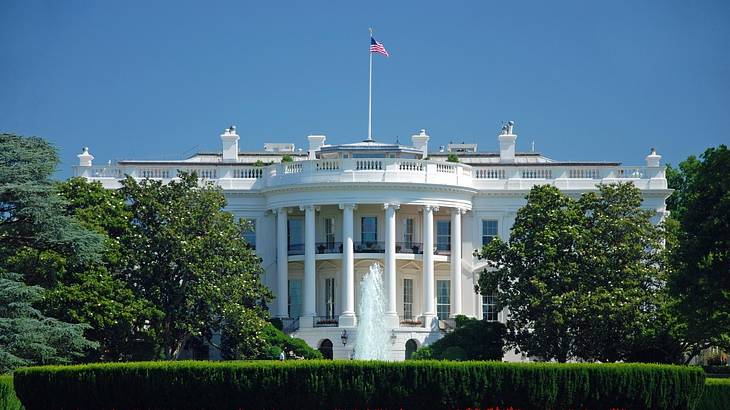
[306, 322]
[392, 321]
[430, 321]
[347, 320]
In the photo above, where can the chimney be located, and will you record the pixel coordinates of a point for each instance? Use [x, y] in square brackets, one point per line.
[507, 143]
[315, 143]
[652, 160]
[230, 144]
[84, 163]
[420, 141]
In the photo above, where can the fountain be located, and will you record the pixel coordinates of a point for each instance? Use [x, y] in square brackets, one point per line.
[372, 331]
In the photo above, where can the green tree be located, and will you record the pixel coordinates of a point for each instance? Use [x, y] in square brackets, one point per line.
[472, 339]
[700, 275]
[31, 212]
[188, 257]
[452, 158]
[27, 337]
[581, 277]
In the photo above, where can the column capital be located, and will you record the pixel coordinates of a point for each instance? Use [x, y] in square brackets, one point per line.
[433, 208]
[305, 207]
[460, 211]
[346, 205]
[394, 205]
[281, 210]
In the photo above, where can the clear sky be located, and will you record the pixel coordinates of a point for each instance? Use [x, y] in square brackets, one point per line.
[585, 80]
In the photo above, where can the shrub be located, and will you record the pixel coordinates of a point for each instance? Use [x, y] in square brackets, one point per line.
[8, 400]
[287, 158]
[358, 384]
[472, 339]
[452, 158]
[716, 395]
[723, 370]
[275, 337]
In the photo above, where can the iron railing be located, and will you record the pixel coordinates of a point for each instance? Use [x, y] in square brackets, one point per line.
[328, 247]
[369, 247]
[290, 324]
[409, 247]
[326, 321]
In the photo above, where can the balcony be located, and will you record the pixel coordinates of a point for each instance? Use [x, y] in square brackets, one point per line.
[325, 321]
[369, 247]
[415, 248]
[328, 247]
[411, 321]
[296, 249]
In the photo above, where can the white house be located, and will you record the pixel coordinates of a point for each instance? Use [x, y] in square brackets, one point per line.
[323, 219]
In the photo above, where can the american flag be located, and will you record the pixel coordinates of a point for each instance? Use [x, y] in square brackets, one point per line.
[376, 47]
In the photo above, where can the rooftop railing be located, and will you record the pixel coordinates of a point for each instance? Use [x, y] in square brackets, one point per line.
[382, 170]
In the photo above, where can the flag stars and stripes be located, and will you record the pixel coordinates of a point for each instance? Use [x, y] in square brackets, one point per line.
[376, 47]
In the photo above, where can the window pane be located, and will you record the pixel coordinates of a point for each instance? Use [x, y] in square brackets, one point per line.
[443, 235]
[296, 231]
[408, 298]
[489, 308]
[443, 299]
[330, 297]
[408, 233]
[489, 230]
[369, 229]
[250, 233]
[295, 297]
[329, 232]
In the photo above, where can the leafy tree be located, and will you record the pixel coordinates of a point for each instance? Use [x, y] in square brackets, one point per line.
[700, 276]
[187, 257]
[581, 277]
[27, 337]
[276, 341]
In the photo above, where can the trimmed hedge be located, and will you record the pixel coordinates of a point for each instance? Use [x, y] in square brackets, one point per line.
[8, 400]
[716, 395]
[358, 384]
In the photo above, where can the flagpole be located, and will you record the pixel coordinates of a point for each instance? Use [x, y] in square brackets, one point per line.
[370, 92]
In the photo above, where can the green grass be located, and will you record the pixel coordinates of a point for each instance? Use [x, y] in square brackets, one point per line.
[351, 384]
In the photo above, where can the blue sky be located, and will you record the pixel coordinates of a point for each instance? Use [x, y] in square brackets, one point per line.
[155, 79]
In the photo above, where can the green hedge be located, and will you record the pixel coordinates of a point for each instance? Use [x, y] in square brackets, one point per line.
[358, 384]
[716, 395]
[8, 400]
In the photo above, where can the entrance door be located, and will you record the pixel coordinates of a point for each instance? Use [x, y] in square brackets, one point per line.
[411, 347]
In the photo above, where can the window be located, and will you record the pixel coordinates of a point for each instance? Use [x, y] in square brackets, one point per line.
[329, 232]
[295, 238]
[329, 292]
[295, 298]
[443, 299]
[369, 232]
[408, 232]
[443, 235]
[250, 233]
[489, 230]
[408, 299]
[489, 308]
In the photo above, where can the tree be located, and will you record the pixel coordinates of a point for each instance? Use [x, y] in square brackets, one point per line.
[187, 257]
[31, 212]
[700, 275]
[452, 158]
[581, 277]
[27, 337]
[472, 339]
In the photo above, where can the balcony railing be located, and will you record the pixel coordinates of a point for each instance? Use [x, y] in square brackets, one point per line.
[411, 321]
[369, 247]
[392, 170]
[290, 324]
[326, 321]
[415, 248]
[296, 249]
[328, 247]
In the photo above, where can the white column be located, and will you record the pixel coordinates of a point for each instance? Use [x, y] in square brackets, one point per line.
[429, 302]
[456, 261]
[282, 264]
[347, 317]
[391, 314]
[308, 305]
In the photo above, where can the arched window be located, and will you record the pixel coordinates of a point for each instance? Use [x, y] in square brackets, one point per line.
[411, 347]
[325, 347]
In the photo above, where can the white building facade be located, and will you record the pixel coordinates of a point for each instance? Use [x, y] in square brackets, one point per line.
[323, 218]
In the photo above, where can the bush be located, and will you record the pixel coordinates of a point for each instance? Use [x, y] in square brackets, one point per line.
[472, 339]
[716, 395]
[452, 158]
[275, 337]
[8, 400]
[358, 384]
[723, 370]
[287, 158]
